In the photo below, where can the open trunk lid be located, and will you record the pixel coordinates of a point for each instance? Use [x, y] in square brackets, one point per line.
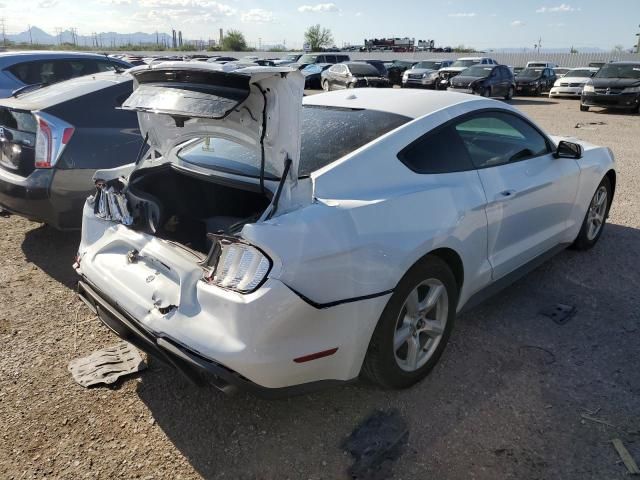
[258, 107]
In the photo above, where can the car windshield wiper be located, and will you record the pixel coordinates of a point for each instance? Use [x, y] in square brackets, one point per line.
[25, 88]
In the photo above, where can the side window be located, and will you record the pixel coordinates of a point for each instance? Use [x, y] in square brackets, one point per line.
[331, 59]
[440, 151]
[106, 67]
[496, 138]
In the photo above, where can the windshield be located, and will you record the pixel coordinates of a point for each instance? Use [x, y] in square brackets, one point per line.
[534, 65]
[402, 63]
[308, 59]
[292, 58]
[531, 72]
[613, 70]
[327, 134]
[362, 69]
[579, 72]
[477, 71]
[464, 63]
[428, 65]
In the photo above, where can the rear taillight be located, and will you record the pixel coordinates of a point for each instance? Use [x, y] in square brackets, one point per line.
[52, 137]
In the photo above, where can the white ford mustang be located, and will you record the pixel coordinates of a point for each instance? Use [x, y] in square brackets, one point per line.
[280, 244]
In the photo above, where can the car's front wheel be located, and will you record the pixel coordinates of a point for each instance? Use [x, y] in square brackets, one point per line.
[414, 327]
[584, 108]
[325, 85]
[595, 218]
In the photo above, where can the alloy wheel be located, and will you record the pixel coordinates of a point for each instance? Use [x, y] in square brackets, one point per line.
[596, 213]
[421, 324]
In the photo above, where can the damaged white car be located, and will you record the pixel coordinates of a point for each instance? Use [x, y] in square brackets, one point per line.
[281, 244]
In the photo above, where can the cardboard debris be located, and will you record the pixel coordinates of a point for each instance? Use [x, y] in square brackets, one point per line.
[107, 365]
[626, 457]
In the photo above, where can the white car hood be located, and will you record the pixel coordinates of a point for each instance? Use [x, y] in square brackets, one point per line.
[581, 80]
[258, 107]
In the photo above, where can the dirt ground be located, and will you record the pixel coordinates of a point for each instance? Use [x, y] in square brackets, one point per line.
[516, 396]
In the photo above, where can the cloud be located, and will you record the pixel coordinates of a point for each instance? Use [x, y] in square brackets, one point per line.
[115, 2]
[359, 14]
[517, 23]
[257, 15]
[462, 14]
[195, 5]
[563, 7]
[48, 3]
[320, 7]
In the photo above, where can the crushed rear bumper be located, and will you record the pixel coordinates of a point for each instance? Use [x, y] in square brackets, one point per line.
[198, 369]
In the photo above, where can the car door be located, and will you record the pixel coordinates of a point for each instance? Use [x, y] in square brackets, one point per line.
[530, 193]
[496, 80]
[341, 76]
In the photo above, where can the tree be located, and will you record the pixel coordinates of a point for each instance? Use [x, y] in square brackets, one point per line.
[618, 49]
[318, 37]
[234, 41]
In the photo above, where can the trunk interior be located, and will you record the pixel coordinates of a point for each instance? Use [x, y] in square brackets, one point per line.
[184, 207]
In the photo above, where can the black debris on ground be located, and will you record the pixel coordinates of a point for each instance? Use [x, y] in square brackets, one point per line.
[559, 313]
[376, 444]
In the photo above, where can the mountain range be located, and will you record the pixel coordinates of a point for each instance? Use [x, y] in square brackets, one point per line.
[105, 39]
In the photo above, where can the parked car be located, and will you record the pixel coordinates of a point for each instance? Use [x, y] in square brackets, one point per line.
[424, 74]
[313, 75]
[485, 80]
[352, 75]
[396, 69]
[572, 83]
[302, 264]
[379, 65]
[222, 60]
[52, 141]
[615, 85]
[538, 64]
[310, 58]
[288, 59]
[446, 74]
[561, 71]
[20, 71]
[535, 81]
[597, 64]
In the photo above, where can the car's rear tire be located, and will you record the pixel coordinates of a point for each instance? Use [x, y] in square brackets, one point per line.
[538, 91]
[509, 94]
[486, 92]
[584, 108]
[414, 327]
[595, 218]
[325, 85]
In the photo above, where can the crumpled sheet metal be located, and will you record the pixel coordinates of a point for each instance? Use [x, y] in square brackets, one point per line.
[107, 365]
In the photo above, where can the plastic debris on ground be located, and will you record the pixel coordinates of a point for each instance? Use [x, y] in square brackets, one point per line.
[559, 313]
[107, 365]
[376, 444]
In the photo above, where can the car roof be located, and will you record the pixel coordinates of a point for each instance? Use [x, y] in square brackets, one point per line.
[625, 62]
[63, 91]
[10, 58]
[410, 103]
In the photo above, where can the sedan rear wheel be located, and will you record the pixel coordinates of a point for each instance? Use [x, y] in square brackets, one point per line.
[509, 94]
[414, 327]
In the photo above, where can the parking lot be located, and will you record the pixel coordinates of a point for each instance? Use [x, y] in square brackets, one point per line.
[515, 396]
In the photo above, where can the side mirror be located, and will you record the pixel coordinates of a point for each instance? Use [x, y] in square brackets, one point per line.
[568, 150]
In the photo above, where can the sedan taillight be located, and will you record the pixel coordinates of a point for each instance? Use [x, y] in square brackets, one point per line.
[52, 137]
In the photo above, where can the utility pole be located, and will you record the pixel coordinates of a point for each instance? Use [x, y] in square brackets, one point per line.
[4, 32]
[637, 46]
[30, 37]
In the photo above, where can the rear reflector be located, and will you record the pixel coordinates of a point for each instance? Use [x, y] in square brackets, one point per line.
[315, 356]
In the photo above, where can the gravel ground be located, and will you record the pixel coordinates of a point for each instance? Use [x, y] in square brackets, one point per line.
[506, 401]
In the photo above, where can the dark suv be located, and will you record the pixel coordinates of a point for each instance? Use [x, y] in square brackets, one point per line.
[52, 141]
[485, 80]
[616, 85]
[535, 81]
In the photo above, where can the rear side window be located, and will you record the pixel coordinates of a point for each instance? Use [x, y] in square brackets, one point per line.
[56, 70]
[441, 151]
[327, 134]
[496, 138]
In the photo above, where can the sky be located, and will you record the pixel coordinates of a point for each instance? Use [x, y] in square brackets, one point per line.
[481, 24]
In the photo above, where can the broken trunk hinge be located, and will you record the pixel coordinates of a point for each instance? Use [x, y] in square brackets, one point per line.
[276, 198]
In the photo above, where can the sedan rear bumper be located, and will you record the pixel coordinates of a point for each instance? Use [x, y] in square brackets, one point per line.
[188, 362]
